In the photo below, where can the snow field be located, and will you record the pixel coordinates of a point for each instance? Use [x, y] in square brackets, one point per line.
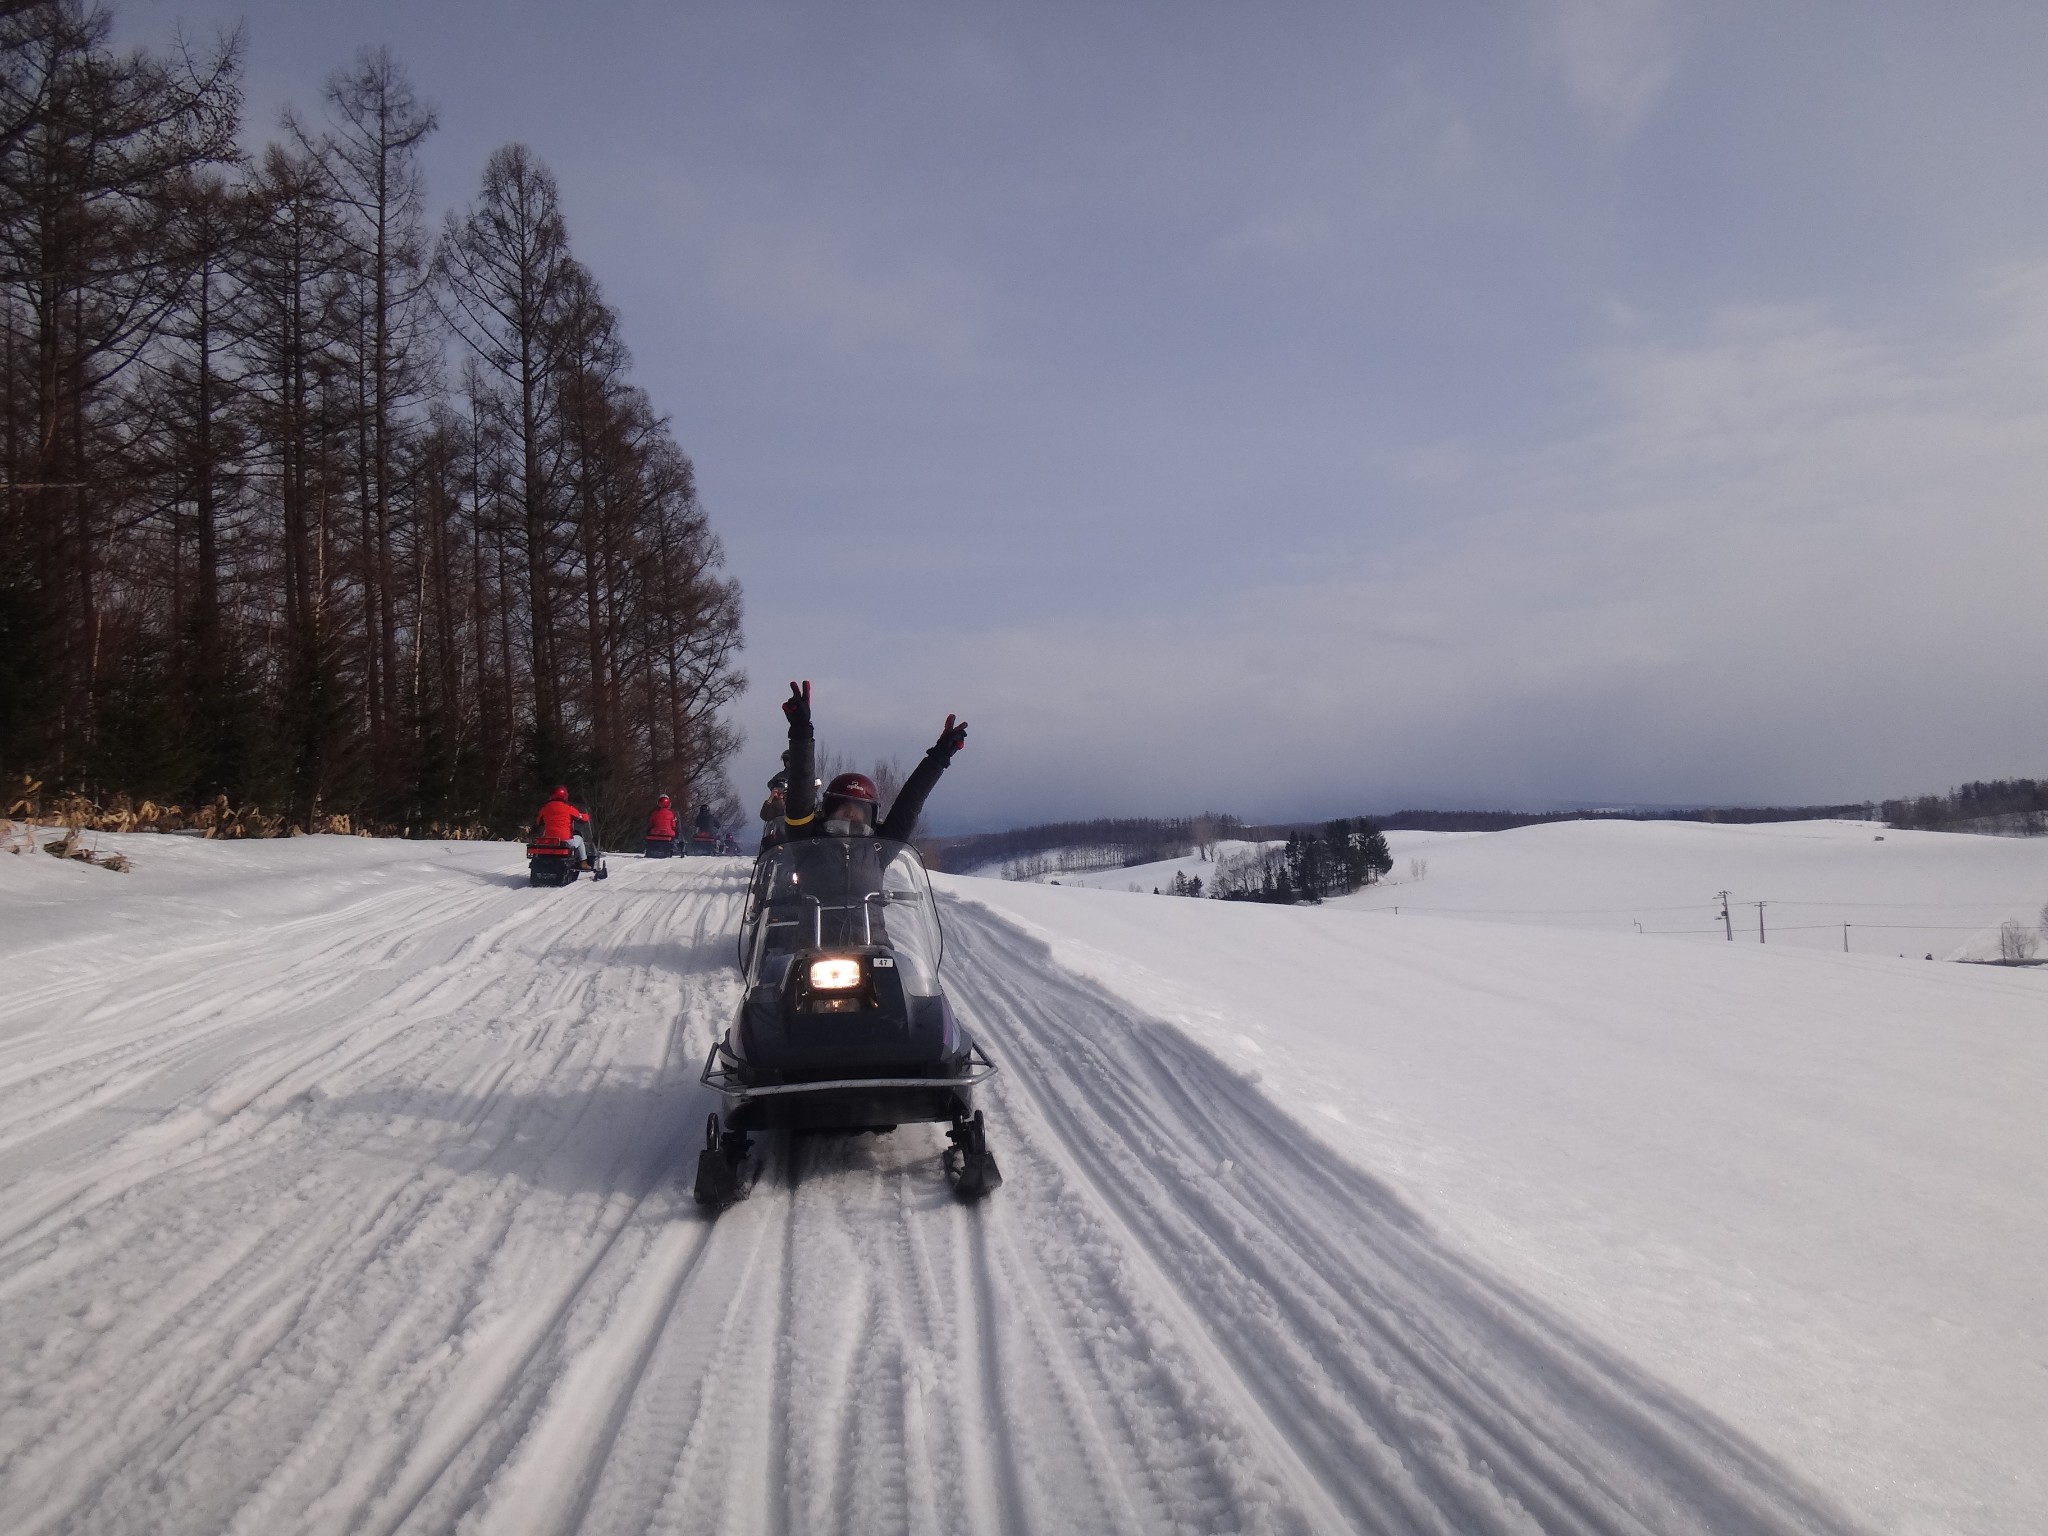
[1800, 1188]
[1900, 893]
[346, 1189]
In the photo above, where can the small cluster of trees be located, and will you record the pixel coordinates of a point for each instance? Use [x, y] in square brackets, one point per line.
[302, 505]
[1341, 857]
[1997, 805]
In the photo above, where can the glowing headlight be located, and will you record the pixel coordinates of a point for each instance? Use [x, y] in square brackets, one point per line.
[834, 975]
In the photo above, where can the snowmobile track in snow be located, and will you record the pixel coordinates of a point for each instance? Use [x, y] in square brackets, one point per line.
[1407, 1387]
[377, 1220]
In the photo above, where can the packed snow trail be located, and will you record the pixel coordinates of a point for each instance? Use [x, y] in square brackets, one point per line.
[372, 1215]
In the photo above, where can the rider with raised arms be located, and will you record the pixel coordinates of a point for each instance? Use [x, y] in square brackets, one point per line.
[850, 805]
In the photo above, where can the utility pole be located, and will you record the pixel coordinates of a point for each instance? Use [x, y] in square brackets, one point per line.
[1760, 923]
[1845, 938]
[1726, 921]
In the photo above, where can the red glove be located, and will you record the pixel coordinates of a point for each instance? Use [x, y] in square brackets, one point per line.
[952, 738]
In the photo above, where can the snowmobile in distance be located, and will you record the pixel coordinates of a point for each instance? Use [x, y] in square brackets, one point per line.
[660, 842]
[843, 1025]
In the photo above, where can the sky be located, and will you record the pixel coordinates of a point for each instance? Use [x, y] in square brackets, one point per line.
[1306, 409]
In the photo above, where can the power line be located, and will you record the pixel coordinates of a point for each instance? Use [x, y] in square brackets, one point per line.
[1689, 906]
[1908, 905]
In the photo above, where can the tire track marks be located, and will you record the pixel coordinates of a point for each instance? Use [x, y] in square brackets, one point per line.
[1419, 1393]
[414, 1253]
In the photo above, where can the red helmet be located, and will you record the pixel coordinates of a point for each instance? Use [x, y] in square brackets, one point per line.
[662, 801]
[561, 792]
[853, 786]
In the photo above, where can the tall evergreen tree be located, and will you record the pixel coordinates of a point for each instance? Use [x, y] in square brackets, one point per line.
[511, 291]
[371, 153]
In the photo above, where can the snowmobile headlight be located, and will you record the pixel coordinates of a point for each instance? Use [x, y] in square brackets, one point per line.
[835, 975]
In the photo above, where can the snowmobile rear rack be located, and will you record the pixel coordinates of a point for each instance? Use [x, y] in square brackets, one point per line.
[721, 1072]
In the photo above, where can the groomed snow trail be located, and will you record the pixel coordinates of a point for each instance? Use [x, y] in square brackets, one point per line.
[374, 1217]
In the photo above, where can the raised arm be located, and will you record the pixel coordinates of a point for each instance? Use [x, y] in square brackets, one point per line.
[902, 819]
[800, 800]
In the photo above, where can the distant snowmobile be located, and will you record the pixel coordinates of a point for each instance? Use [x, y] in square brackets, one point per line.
[660, 842]
[704, 839]
[844, 1025]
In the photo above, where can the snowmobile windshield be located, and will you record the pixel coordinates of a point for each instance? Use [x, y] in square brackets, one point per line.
[827, 892]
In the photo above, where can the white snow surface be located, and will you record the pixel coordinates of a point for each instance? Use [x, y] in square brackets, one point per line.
[344, 1187]
[1900, 893]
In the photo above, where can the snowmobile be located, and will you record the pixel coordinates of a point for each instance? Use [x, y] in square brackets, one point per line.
[843, 1025]
[658, 847]
[552, 861]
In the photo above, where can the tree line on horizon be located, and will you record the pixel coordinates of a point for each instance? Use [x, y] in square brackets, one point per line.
[1993, 805]
[304, 504]
[1152, 839]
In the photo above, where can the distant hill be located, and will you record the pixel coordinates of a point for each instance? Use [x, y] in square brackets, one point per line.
[1151, 839]
[1138, 839]
[2011, 807]
[1501, 821]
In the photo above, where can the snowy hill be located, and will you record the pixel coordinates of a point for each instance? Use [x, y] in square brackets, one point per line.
[1899, 893]
[345, 1190]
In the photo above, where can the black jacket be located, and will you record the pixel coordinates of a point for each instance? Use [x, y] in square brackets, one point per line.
[801, 812]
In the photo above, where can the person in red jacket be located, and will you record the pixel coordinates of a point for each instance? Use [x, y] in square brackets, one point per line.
[661, 824]
[560, 822]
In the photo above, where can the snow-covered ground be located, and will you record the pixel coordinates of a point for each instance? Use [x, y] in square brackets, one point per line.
[344, 1187]
[1896, 893]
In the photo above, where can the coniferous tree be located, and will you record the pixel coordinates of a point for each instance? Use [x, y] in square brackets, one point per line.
[192, 432]
[296, 290]
[371, 155]
[511, 286]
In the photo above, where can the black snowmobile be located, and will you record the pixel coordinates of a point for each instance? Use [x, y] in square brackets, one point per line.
[844, 1026]
[552, 861]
